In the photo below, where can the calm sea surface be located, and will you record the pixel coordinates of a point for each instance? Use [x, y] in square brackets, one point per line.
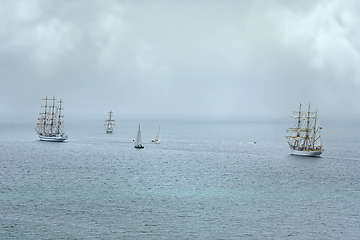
[206, 180]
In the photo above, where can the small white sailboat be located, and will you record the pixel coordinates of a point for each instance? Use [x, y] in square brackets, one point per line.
[157, 138]
[50, 125]
[138, 142]
[109, 123]
[305, 139]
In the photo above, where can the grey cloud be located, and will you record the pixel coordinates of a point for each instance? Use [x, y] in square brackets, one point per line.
[203, 59]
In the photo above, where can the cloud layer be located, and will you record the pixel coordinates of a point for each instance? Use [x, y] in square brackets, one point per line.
[203, 59]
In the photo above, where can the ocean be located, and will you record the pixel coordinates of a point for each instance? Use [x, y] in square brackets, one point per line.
[206, 180]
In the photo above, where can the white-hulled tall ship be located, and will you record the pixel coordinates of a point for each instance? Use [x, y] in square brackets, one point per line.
[305, 139]
[50, 125]
[109, 123]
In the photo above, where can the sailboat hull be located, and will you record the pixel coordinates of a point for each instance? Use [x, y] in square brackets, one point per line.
[307, 153]
[58, 138]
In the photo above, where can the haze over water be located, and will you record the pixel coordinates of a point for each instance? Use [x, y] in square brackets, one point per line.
[206, 180]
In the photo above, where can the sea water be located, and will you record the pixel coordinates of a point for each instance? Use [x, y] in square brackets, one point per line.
[206, 180]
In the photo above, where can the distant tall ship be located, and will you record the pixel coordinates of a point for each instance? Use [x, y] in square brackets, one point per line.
[109, 123]
[305, 139]
[50, 125]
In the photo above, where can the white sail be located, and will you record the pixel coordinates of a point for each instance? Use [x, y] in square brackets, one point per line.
[138, 142]
[158, 137]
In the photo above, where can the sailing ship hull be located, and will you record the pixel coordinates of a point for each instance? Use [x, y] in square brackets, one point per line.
[138, 146]
[307, 153]
[58, 138]
[155, 141]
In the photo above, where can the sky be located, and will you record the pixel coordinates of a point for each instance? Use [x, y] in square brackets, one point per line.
[214, 60]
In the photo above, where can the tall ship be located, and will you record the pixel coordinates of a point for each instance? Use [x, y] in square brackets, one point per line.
[304, 139]
[109, 123]
[50, 125]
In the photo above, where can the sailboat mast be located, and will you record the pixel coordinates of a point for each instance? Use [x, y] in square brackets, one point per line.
[138, 137]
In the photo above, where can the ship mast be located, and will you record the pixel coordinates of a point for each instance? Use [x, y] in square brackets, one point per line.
[299, 118]
[314, 135]
[109, 122]
[110, 115]
[52, 116]
[59, 116]
[45, 112]
[298, 128]
[307, 128]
